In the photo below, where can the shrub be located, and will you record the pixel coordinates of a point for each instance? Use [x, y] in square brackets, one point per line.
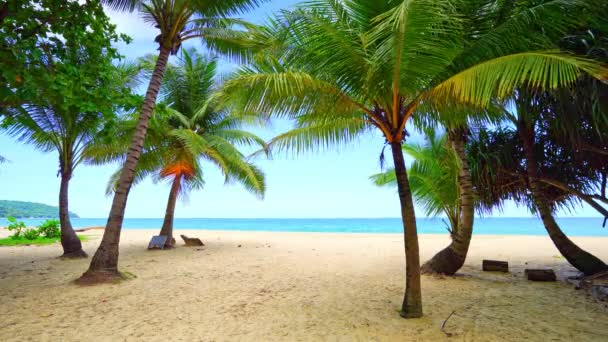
[31, 234]
[50, 229]
[17, 227]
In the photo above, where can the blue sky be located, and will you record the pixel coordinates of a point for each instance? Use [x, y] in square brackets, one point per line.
[324, 184]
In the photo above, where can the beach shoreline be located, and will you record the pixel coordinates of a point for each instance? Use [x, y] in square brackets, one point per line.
[294, 286]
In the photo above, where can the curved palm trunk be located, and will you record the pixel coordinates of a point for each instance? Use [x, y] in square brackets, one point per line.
[577, 257]
[72, 247]
[167, 228]
[412, 301]
[104, 265]
[450, 259]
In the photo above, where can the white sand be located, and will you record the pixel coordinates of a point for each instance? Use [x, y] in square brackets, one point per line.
[293, 286]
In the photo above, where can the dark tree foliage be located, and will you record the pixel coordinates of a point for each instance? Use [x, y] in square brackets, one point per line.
[60, 88]
[39, 40]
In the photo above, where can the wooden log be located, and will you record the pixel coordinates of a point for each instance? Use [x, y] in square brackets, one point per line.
[540, 275]
[495, 266]
[192, 242]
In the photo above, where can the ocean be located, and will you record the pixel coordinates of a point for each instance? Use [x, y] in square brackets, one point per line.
[586, 226]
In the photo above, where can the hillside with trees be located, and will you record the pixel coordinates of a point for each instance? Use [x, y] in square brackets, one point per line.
[20, 209]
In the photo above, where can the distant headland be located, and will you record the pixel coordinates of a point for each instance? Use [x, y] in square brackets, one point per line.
[19, 209]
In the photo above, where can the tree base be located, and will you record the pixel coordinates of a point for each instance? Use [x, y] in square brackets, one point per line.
[100, 277]
[446, 262]
[410, 314]
[79, 254]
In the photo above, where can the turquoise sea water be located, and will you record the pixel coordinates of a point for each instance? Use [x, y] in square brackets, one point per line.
[502, 225]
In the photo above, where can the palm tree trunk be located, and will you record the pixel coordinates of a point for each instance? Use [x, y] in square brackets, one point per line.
[577, 257]
[412, 301]
[167, 228]
[72, 247]
[104, 265]
[450, 259]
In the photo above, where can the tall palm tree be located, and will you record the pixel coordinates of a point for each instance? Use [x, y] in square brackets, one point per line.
[177, 21]
[349, 66]
[184, 128]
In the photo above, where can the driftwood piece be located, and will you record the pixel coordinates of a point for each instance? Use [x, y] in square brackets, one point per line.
[446, 322]
[82, 230]
[540, 275]
[157, 242]
[495, 266]
[192, 242]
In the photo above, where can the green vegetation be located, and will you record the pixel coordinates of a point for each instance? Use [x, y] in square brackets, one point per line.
[46, 233]
[20, 209]
[177, 21]
[341, 69]
[50, 229]
[71, 90]
[433, 178]
[185, 129]
[338, 70]
[37, 241]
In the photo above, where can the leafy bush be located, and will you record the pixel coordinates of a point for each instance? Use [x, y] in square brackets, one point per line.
[17, 227]
[50, 229]
[31, 234]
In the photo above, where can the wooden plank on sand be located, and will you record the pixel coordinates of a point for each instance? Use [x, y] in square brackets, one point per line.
[540, 275]
[495, 266]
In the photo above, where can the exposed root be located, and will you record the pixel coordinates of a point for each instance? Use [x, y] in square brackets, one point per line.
[79, 254]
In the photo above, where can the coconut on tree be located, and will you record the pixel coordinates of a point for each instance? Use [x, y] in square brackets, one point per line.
[177, 21]
[344, 68]
[186, 128]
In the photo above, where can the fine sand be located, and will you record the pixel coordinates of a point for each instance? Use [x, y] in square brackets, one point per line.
[254, 286]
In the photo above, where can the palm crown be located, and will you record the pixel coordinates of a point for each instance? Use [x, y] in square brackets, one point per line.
[376, 63]
[186, 127]
[181, 20]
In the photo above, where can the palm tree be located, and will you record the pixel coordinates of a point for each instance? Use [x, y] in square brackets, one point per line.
[526, 121]
[51, 125]
[436, 178]
[507, 170]
[177, 21]
[184, 128]
[346, 67]
[68, 133]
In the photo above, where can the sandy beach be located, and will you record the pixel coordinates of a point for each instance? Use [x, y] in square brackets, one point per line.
[294, 286]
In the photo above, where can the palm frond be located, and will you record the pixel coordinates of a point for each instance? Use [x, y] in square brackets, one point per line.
[499, 77]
